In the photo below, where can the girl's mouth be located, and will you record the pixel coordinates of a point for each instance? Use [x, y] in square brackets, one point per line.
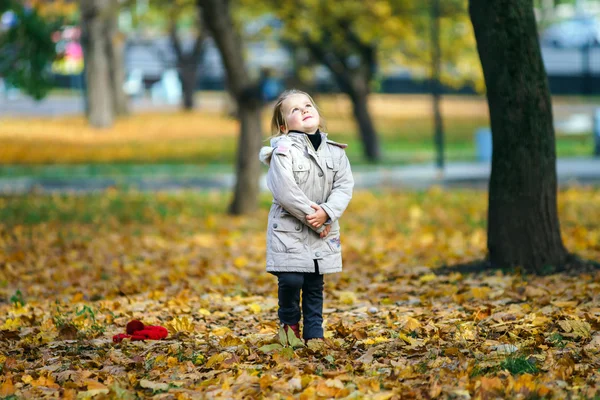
[305, 118]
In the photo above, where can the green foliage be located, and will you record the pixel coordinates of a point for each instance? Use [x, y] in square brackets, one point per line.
[27, 51]
[396, 31]
[518, 364]
[83, 321]
[17, 299]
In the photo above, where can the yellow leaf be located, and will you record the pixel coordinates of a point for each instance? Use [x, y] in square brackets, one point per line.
[7, 388]
[26, 379]
[415, 213]
[181, 324]
[147, 384]
[204, 311]
[230, 340]
[411, 324]
[240, 262]
[216, 359]
[221, 331]
[45, 381]
[348, 297]
[94, 388]
[427, 278]
[480, 292]
[11, 324]
[579, 328]
[172, 361]
[309, 393]
[255, 308]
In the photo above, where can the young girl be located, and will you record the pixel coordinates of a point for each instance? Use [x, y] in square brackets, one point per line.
[312, 183]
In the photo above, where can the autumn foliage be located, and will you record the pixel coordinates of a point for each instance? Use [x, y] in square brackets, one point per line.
[75, 269]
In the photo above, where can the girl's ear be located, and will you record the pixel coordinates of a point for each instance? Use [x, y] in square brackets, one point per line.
[282, 128]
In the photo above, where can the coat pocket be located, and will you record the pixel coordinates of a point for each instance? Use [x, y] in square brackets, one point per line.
[301, 171]
[287, 235]
[332, 169]
[333, 239]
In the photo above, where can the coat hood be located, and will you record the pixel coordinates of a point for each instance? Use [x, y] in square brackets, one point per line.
[284, 142]
[266, 152]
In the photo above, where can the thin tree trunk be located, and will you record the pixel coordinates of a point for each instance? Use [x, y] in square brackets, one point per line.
[436, 66]
[187, 63]
[217, 18]
[188, 73]
[355, 83]
[523, 226]
[115, 55]
[367, 131]
[97, 73]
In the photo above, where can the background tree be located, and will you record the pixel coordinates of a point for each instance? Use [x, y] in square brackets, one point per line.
[216, 15]
[182, 22]
[188, 60]
[28, 50]
[104, 65]
[357, 41]
[523, 226]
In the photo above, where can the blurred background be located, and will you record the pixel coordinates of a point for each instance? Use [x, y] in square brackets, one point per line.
[103, 93]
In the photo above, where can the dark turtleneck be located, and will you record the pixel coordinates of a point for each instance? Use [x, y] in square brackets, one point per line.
[315, 138]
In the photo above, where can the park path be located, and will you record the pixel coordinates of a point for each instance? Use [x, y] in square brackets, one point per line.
[411, 177]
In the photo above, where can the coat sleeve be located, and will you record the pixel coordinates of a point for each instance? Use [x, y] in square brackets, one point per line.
[341, 192]
[281, 182]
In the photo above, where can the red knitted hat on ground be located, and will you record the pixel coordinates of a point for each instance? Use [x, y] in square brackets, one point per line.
[136, 330]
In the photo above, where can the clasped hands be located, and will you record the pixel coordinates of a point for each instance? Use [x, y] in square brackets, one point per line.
[318, 218]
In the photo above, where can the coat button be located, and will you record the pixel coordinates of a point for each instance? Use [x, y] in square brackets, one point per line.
[274, 225]
[318, 254]
[298, 227]
[320, 174]
[300, 167]
[318, 201]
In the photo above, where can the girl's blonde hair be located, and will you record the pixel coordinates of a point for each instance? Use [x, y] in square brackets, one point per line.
[278, 121]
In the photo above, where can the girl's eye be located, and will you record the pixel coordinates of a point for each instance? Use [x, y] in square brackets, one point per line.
[295, 109]
[309, 105]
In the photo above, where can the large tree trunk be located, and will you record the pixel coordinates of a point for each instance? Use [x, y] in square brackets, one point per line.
[116, 61]
[248, 170]
[97, 73]
[217, 18]
[523, 226]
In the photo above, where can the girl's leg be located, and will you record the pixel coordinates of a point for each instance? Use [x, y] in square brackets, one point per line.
[290, 284]
[312, 304]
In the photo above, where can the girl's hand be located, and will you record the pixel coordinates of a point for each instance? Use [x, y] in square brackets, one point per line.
[318, 218]
[326, 231]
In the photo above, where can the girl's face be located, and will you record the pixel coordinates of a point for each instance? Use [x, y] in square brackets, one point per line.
[300, 114]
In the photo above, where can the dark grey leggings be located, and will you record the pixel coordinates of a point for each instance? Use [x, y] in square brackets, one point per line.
[311, 285]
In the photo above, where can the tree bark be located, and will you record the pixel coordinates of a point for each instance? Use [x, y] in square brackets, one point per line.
[359, 94]
[187, 63]
[523, 225]
[188, 73]
[436, 92]
[217, 18]
[97, 73]
[115, 45]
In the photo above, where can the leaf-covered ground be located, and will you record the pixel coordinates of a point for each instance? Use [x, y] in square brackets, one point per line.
[208, 136]
[75, 269]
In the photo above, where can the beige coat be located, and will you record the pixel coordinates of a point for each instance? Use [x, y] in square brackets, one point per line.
[298, 177]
